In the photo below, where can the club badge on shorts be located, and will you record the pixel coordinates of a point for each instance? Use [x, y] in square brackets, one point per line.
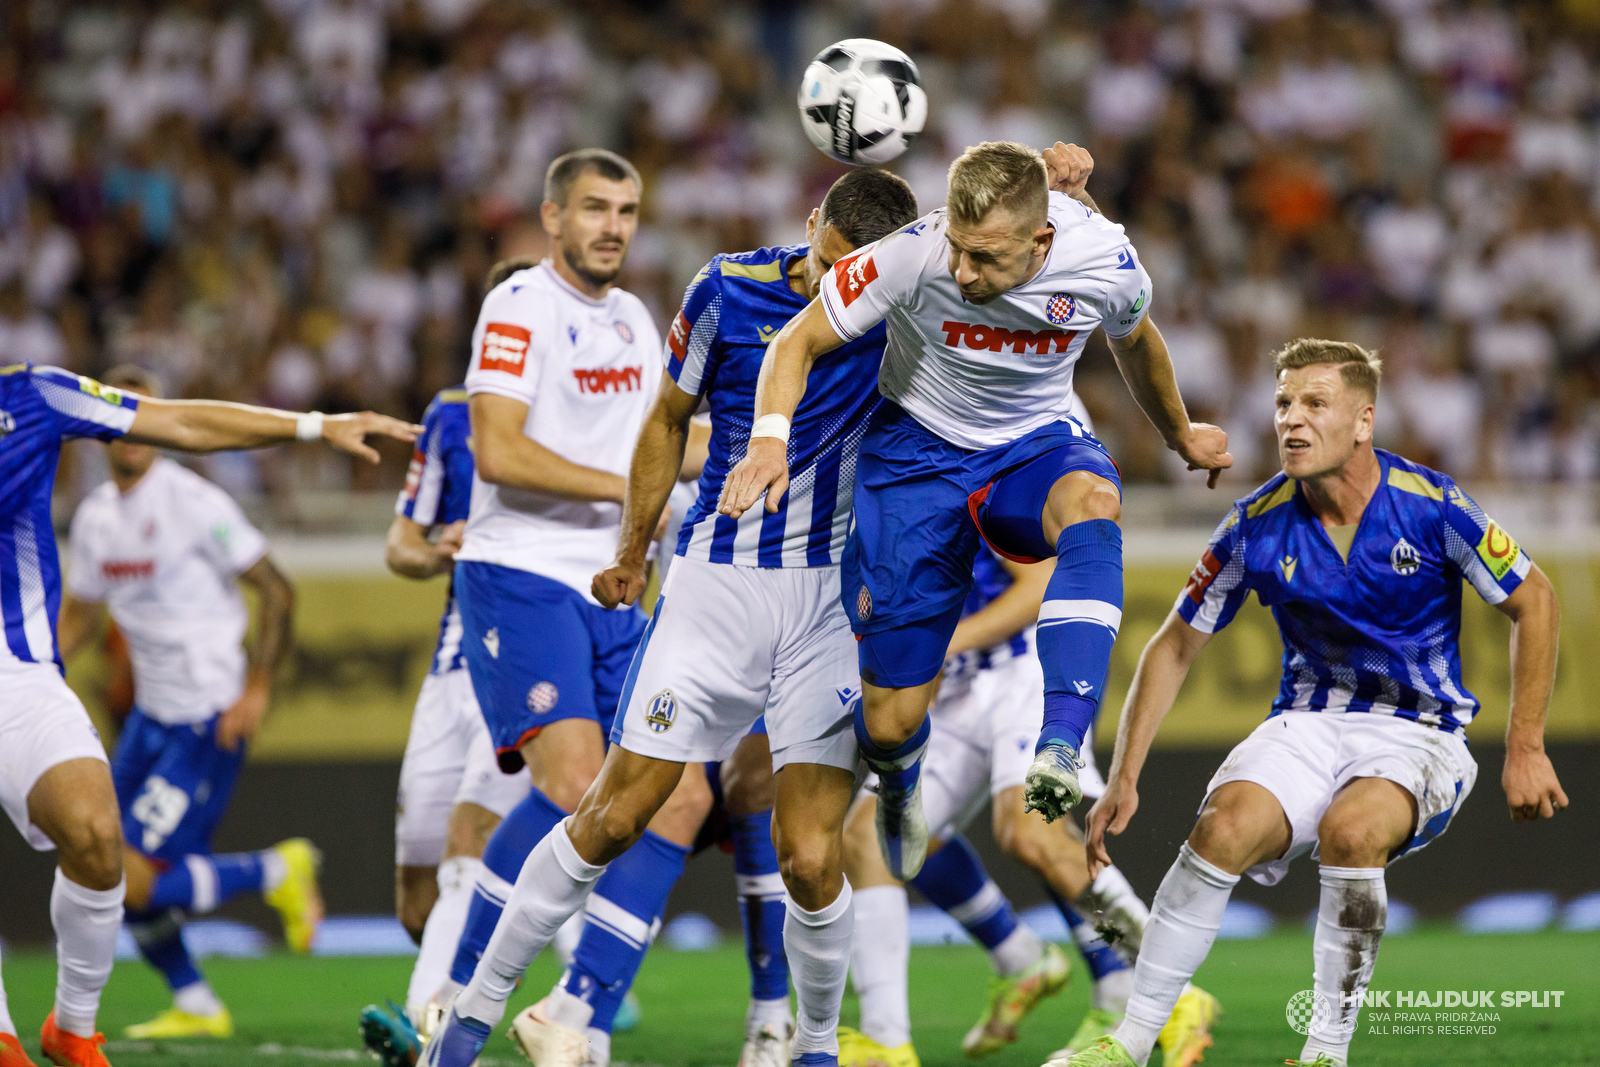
[662, 712]
[864, 605]
[542, 697]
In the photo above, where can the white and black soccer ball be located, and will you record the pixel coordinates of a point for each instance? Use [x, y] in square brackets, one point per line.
[861, 101]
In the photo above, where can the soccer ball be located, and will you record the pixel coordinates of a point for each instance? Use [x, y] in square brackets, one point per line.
[861, 101]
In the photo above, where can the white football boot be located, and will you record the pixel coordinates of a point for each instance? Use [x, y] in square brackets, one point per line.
[767, 1045]
[548, 1044]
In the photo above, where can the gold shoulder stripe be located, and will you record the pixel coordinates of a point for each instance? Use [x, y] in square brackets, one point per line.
[1416, 484]
[453, 396]
[15, 368]
[1281, 495]
[757, 272]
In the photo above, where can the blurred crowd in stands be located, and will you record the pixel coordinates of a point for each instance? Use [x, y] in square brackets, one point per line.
[295, 201]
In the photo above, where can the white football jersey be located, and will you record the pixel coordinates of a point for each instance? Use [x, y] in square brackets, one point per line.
[984, 375]
[164, 557]
[588, 370]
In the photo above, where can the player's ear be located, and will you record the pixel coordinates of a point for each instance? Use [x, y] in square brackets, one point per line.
[811, 225]
[550, 217]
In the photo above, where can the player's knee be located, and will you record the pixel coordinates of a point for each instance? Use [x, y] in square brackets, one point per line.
[686, 809]
[91, 847]
[748, 784]
[1224, 836]
[1347, 843]
[809, 863]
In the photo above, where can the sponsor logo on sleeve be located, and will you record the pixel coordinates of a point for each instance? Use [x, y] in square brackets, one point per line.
[414, 474]
[1498, 551]
[102, 392]
[852, 275]
[505, 348]
[1205, 572]
[678, 337]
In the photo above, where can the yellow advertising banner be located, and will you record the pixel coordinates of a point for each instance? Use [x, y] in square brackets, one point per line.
[364, 644]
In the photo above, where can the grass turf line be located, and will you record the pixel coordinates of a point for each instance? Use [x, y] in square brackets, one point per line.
[295, 1012]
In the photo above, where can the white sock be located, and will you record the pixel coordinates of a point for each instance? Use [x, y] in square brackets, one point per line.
[1017, 952]
[197, 998]
[1351, 913]
[763, 1012]
[1110, 895]
[878, 964]
[1183, 923]
[818, 946]
[442, 932]
[599, 1048]
[567, 1009]
[6, 1025]
[274, 869]
[86, 923]
[567, 938]
[1111, 992]
[552, 885]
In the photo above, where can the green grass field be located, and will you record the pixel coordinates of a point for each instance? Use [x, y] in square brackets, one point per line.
[293, 1011]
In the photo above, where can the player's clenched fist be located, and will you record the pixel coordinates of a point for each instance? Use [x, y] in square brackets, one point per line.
[1069, 167]
[1532, 789]
[620, 583]
[764, 469]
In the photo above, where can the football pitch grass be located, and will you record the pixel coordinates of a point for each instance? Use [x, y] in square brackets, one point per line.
[296, 1011]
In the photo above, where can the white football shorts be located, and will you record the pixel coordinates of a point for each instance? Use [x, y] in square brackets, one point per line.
[42, 723]
[1303, 758]
[985, 728]
[449, 760]
[728, 644]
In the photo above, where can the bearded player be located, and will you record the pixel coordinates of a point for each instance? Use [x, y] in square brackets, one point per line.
[988, 304]
[749, 622]
[1361, 556]
[55, 784]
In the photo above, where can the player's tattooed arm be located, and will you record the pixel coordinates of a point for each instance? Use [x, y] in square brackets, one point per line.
[1146, 366]
[657, 462]
[274, 621]
[214, 425]
[408, 552]
[1163, 665]
[764, 471]
[507, 456]
[1532, 789]
[1069, 167]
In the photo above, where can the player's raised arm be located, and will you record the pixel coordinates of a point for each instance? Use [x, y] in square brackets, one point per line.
[1069, 167]
[657, 462]
[1163, 665]
[1146, 366]
[764, 471]
[1532, 789]
[214, 425]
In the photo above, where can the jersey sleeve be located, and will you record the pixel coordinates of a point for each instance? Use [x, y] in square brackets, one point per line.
[82, 407]
[1488, 557]
[226, 537]
[859, 290]
[1218, 585]
[691, 349]
[510, 342]
[438, 485]
[85, 581]
[1128, 295]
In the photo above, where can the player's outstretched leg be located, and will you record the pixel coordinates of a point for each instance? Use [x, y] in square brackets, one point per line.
[553, 883]
[769, 1024]
[196, 1010]
[902, 827]
[1027, 970]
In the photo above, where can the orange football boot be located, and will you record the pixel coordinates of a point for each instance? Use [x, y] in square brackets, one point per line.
[66, 1049]
[11, 1054]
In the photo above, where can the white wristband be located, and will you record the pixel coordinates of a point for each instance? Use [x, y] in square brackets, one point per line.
[308, 427]
[771, 426]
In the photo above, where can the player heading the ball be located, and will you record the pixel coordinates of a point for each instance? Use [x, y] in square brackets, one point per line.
[988, 304]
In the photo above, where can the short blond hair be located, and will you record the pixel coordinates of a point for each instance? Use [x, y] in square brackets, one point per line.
[998, 174]
[1359, 368]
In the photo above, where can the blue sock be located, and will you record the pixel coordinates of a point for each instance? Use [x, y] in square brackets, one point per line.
[160, 940]
[1101, 957]
[203, 883]
[622, 916]
[761, 907]
[1078, 624]
[897, 768]
[954, 879]
[460, 1041]
[522, 828]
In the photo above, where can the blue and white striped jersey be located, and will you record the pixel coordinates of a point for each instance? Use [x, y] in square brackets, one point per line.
[39, 408]
[730, 312]
[1381, 632]
[438, 492]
